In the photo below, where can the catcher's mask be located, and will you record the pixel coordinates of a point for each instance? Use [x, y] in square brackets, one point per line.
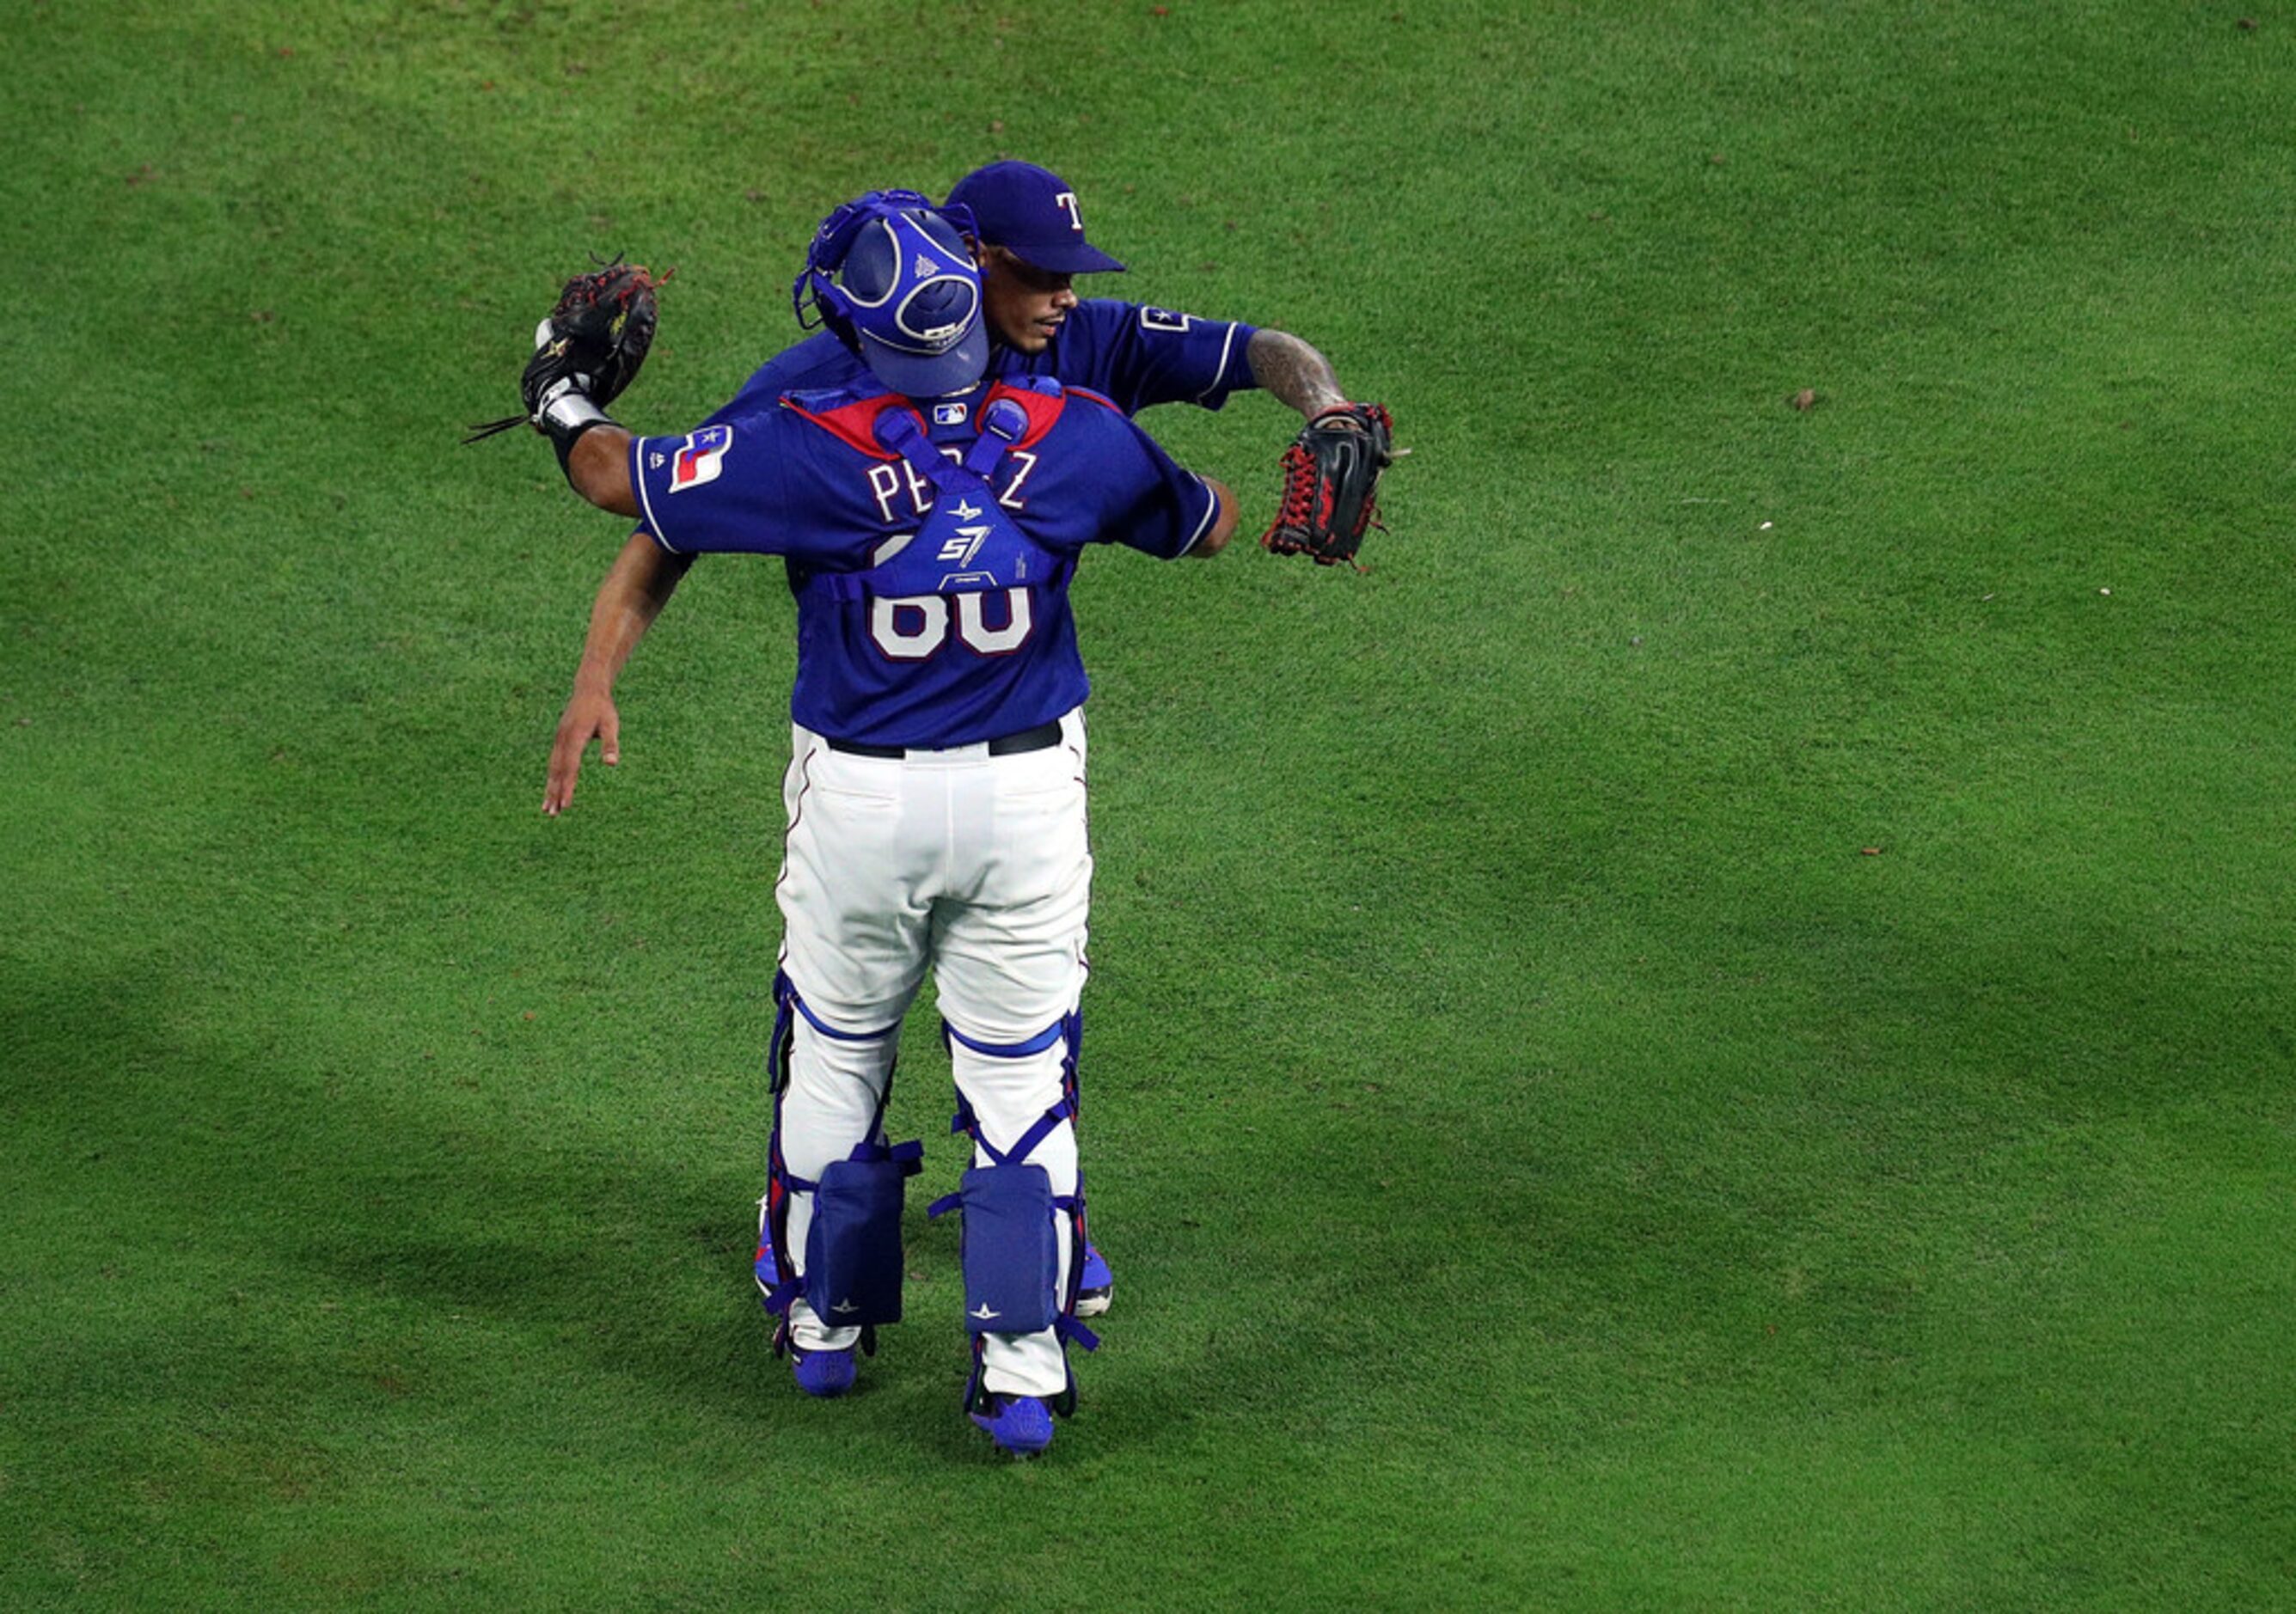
[891, 274]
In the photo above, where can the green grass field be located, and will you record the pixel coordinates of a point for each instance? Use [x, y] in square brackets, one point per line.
[1716, 1032]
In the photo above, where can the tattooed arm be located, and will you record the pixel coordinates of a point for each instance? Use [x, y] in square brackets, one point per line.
[1289, 369]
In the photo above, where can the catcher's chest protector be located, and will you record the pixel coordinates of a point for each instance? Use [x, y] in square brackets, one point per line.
[968, 542]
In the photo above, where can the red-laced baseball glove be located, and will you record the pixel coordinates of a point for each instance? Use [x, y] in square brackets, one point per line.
[1331, 484]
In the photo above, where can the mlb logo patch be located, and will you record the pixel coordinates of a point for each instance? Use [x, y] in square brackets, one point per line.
[948, 414]
[702, 458]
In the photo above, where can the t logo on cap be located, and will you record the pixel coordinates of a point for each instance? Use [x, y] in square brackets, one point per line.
[1032, 213]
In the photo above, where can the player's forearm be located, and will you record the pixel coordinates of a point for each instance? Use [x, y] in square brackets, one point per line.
[643, 577]
[1290, 370]
[598, 467]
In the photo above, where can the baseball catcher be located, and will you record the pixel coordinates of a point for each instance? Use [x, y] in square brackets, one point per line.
[938, 676]
[592, 343]
[1331, 484]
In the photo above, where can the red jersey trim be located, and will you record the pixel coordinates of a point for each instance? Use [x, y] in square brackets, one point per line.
[853, 423]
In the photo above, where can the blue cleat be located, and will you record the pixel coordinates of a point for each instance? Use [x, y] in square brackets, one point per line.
[767, 1268]
[822, 1372]
[1022, 1425]
[1094, 1285]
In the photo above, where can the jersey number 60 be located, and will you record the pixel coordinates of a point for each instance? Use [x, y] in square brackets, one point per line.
[914, 627]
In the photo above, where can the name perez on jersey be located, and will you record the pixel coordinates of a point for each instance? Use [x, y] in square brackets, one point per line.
[890, 479]
[914, 628]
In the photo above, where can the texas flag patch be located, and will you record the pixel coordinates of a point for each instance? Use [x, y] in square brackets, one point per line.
[701, 458]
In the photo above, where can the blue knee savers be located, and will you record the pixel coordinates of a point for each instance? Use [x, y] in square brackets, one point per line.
[1010, 1248]
[852, 1247]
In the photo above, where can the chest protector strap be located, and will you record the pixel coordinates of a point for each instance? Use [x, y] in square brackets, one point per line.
[1002, 424]
[968, 542]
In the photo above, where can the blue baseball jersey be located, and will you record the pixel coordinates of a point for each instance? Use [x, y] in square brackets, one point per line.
[1127, 352]
[924, 616]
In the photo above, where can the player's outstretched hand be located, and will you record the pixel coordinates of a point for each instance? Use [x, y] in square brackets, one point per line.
[593, 340]
[589, 715]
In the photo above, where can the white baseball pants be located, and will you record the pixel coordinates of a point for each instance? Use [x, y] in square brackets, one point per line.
[978, 866]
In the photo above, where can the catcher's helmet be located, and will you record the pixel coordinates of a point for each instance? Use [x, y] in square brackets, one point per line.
[891, 274]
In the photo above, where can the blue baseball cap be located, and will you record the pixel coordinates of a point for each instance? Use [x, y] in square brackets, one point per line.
[906, 285]
[1032, 213]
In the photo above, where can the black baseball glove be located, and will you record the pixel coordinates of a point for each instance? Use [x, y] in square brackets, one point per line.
[1331, 484]
[595, 340]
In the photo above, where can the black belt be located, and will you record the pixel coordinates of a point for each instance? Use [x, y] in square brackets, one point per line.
[1034, 738]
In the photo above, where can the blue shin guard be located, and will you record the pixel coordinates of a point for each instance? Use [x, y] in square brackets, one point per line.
[1010, 1250]
[853, 1244]
[852, 1247]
